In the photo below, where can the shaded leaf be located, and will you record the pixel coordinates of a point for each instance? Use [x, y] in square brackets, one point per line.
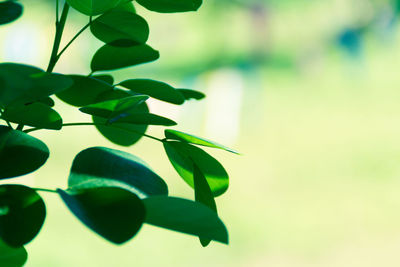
[20, 153]
[84, 91]
[105, 78]
[183, 155]
[114, 213]
[24, 84]
[105, 167]
[12, 257]
[145, 118]
[171, 6]
[35, 115]
[191, 94]
[22, 214]
[192, 139]
[111, 58]
[185, 216]
[9, 11]
[120, 27]
[155, 89]
[93, 7]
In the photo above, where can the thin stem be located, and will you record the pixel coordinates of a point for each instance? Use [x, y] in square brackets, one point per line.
[20, 127]
[72, 40]
[9, 124]
[94, 124]
[45, 190]
[57, 39]
[57, 12]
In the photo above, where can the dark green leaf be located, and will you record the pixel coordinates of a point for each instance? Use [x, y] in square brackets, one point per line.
[114, 108]
[203, 194]
[114, 213]
[111, 58]
[125, 110]
[105, 167]
[20, 153]
[192, 139]
[155, 89]
[185, 216]
[191, 94]
[123, 134]
[26, 84]
[47, 101]
[126, 6]
[105, 78]
[183, 155]
[9, 11]
[171, 6]
[22, 214]
[84, 91]
[93, 7]
[120, 27]
[35, 115]
[12, 257]
[112, 95]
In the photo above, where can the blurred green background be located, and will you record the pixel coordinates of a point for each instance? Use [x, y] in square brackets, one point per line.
[308, 91]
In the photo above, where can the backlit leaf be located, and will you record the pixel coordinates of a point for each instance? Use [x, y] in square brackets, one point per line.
[170, 6]
[93, 7]
[9, 11]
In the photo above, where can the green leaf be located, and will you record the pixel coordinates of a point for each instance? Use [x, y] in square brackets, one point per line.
[112, 95]
[183, 155]
[114, 108]
[155, 89]
[9, 11]
[125, 110]
[191, 94]
[12, 257]
[114, 213]
[105, 167]
[123, 134]
[105, 78]
[126, 6]
[47, 101]
[93, 7]
[120, 28]
[24, 84]
[111, 58]
[146, 119]
[171, 6]
[185, 216]
[35, 115]
[20, 153]
[84, 91]
[203, 194]
[22, 214]
[192, 139]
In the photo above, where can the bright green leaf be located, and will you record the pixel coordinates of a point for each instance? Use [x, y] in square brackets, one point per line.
[185, 216]
[203, 194]
[120, 28]
[111, 58]
[35, 115]
[114, 213]
[22, 214]
[84, 91]
[183, 155]
[20, 153]
[192, 139]
[12, 257]
[114, 108]
[9, 11]
[93, 7]
[104, 167]
[171, 6]
[155, 89]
